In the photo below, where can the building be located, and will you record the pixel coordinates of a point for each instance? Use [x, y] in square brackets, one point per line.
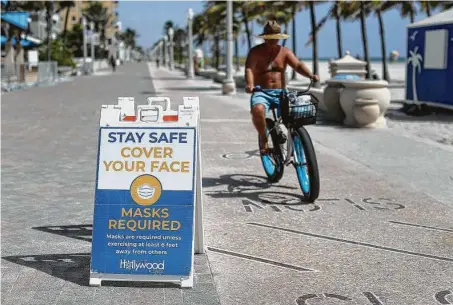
[75, 16]
[429, 69]
[38, 25]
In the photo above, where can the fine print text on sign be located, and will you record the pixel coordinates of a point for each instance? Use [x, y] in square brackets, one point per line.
[144, 201]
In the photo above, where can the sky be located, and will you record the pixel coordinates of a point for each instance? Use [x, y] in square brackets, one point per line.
[148, 18]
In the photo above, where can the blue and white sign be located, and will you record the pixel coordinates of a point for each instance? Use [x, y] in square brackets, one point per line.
[144, 201]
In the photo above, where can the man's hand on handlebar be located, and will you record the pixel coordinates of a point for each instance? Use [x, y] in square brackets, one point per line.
[249, 89]
[315, 78]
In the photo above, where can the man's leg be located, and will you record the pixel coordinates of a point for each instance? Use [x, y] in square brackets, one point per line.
[259, 121]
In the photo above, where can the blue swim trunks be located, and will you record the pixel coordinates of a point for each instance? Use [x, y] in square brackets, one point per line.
[267, 98]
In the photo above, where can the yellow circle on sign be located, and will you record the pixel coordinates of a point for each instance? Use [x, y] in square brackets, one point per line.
[146, 190]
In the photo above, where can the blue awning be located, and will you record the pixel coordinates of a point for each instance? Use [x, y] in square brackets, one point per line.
[18, 19]
[24, 42]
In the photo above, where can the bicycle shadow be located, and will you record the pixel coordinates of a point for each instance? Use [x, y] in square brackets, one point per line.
[254, 188]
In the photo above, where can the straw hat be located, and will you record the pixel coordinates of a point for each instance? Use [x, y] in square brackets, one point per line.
[272, 31]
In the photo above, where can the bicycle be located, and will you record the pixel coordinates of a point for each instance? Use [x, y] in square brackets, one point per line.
[294, 113]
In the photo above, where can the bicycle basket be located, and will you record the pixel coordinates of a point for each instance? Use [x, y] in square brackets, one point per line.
[303, 110]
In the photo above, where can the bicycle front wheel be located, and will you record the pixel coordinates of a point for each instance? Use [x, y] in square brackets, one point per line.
[272, 162]
[306, 164]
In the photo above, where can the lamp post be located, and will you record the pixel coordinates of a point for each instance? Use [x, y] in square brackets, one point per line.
[171, 32]
[165, 50]
[161, 49]
[92, 46]
[190, 73]
[84, 25]
[229, 86]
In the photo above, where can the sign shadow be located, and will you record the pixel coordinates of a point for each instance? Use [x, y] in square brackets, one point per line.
[81, 232]
[75, 268]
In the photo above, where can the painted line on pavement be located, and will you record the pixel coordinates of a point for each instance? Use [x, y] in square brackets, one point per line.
[446, 259]
[260, 259]
[420, 226]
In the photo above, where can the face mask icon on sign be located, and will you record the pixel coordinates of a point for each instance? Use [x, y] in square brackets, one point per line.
[146, 191]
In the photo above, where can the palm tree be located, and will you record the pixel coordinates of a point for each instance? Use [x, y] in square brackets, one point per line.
[129, 37]
[313, 35]
[414, 59]
[279, 11]
[66, 5]
[359, 9]
[406, 8]
[99, 15]
[311, 5]
[167, 25]
[335, 12]
[249, 11]
[378, 12]
[178, 39]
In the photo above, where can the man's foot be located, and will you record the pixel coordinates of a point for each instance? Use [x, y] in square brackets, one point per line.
[264, 147]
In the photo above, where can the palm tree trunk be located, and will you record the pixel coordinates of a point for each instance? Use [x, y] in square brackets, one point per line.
[236, 52]
[412, 16]
[339, 41]
[428, 9]
[414, 85]
[247, 31]
[65, 30]
[286, 32]
[293, 77]
[364, 39]
[49, 6]
[385, 73]
[315, 40]
[217, 51]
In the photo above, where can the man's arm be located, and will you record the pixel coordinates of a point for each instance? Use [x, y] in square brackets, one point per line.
[298, 65]
[249, 66]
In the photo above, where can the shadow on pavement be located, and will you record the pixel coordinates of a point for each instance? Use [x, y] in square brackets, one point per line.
[75, 268]
[255, 188]
[204, 88]
[438, 115]
[169, 78]
[154, 93]
[81, 232]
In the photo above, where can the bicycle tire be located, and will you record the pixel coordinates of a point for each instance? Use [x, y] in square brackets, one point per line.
[312, 164]
[276, 173]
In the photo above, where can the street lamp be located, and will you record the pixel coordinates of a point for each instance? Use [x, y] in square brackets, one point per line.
[190, 73]
[161, 51]
[84, 26]
[165, 50]
[229, 86]
[171, 32]
[92, 46]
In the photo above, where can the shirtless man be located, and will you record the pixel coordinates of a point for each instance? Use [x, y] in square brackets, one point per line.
[265, 67]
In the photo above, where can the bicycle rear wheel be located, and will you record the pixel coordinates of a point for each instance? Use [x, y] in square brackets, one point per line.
[273, 161]
[306, 164]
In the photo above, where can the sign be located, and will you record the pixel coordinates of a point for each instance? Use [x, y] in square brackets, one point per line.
[145, 197]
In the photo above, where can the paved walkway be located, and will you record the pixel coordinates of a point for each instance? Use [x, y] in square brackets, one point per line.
[381, 232]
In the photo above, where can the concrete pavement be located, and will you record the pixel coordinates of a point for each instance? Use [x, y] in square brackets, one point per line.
[381, 232]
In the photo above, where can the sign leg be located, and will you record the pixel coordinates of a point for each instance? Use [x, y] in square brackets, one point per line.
[199, 231]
